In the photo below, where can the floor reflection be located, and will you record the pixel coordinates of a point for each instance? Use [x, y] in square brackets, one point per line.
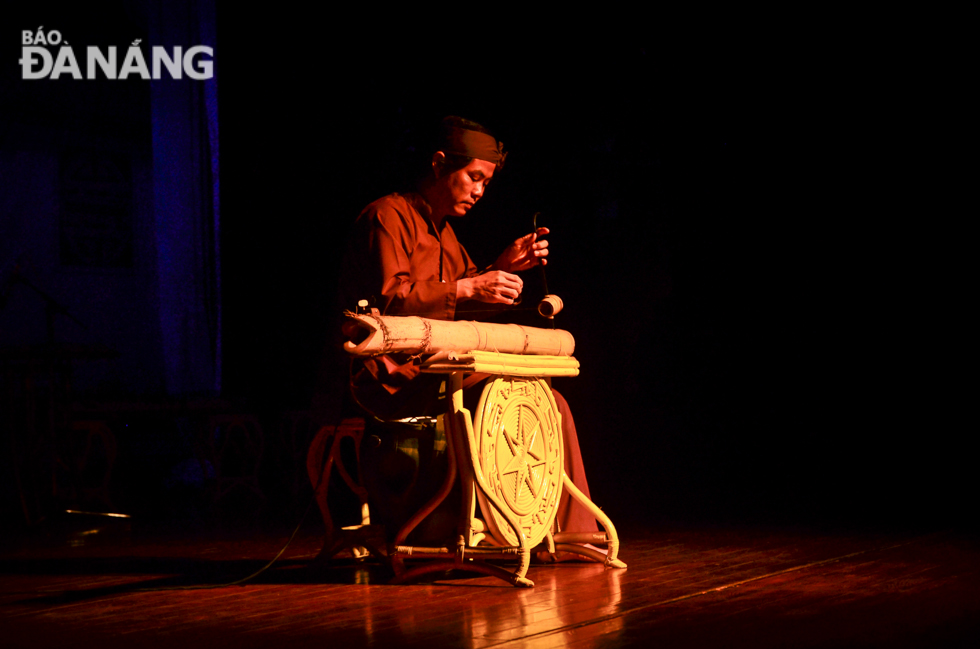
[552, 605]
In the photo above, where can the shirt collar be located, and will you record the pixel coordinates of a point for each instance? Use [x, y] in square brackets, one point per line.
[423, 208]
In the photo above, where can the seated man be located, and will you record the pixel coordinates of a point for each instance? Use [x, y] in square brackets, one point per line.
[404, 258]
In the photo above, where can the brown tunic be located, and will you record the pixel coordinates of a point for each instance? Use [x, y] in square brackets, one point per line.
[403, 264]
[397, 248]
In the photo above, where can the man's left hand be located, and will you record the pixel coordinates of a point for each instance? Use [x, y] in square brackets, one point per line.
[527, 252]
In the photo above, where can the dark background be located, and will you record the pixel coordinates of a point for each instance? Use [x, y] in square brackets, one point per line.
[745, 237]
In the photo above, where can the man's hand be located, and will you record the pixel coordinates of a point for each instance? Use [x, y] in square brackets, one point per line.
[527, 252]
[493, 287]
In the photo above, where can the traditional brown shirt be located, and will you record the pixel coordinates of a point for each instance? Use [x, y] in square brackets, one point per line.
[402, 262]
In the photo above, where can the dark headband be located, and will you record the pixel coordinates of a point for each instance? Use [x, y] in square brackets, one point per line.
[472, 144]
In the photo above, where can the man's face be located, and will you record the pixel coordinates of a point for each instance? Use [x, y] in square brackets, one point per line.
[464, 187]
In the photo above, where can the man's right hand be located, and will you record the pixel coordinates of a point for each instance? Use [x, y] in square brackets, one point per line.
[493, 287]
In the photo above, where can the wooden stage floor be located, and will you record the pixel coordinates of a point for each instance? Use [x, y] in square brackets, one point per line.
[686, 586]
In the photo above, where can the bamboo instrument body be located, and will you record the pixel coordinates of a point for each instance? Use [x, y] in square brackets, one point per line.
[370, 335]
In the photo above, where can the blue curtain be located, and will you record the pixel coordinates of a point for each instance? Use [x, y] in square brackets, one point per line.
[186, 203]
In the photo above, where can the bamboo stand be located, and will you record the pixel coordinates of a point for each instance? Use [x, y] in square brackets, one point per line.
[505, 531]
[509, 458]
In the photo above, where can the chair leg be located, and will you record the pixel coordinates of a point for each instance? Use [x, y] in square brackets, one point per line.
[318, 467]
[361, 540]
[397, 560]
[459, 428]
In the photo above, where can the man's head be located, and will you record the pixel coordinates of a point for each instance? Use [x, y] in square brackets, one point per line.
[465, 159]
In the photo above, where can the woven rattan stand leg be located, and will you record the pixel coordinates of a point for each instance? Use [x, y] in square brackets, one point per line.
[569, 541]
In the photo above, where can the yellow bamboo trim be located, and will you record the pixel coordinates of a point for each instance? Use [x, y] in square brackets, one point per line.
[500, 363]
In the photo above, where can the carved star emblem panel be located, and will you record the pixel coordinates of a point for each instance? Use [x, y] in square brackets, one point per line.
[519, 445]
